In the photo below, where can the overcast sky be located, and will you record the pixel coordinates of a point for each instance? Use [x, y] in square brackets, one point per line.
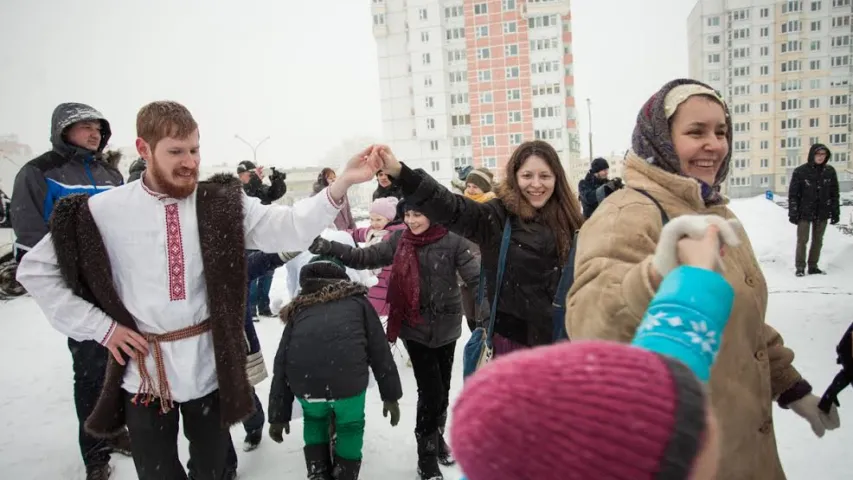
[302, 72]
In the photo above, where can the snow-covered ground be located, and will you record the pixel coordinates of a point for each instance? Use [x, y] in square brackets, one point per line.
[37, 410]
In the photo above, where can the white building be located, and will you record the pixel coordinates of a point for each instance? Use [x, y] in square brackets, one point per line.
[786, 70]
[471, 80]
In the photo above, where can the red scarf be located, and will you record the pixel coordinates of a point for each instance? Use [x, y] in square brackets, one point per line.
[404, 287]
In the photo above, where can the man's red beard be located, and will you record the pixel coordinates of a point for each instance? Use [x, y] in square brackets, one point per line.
[178, 183]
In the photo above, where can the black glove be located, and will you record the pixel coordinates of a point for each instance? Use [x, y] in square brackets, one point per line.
[617, 183]
[320, 246]
[276, 174]
[394, 409]
[793, 220]
[834, 221]
[276, 429]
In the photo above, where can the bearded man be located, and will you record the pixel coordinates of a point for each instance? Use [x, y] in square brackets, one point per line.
[155, 271]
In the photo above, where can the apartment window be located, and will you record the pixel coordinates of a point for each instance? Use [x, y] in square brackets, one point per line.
[456, 33]
[487, 119]
[544, 21]
[791, 104]
[481, 9]
[792, 85]
[793, 142]
[510, 27]
[765, 163]
[425, 37]
[740, 15]
[792, 6]
[435, 165]
[742, 145]
[457, 77]
[461, 141]
[841, 41]
[839, 120]
[765, 126]
[814, 122]
[515, 117]
[460, 120]
[515, 139]
[513, 94]
[741, 108]
[765, 70]
[816, 26]
[765, 144]
[422, 13]
[741, 33]
[815, 84]
[508, 5]
[741, 71]
[838, 100]
[433, 145]
[484, 75]
[813, 140]
[513, 72]
[430, 123]
[511, 50]
[490, 162]
[713, 40]
[427, 80]
[713, 21]
[838, 138]
[792, 26]
[764, 32]
[815, 6]
[483, 53]
[765, 51]
[425, 59]
[487, 141]
[841, 157]
[741, 127]
[741, 181]
[840, 3]
[814, 46]
[742, 52]
[741, 90]
[841, 21]
[482, 31]
[379, 19]
[486, 97]
[792, 66]
[764, 107]
[764, 12]
[814, 103]
[842, 61]
[741, 163]
[791, 123]
[792, 46]
[458, 99]
[451, 12]
[429, 102]
[713, 76]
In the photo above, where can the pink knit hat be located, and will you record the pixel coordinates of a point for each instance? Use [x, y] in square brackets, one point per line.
[387, 207]
[580, 411]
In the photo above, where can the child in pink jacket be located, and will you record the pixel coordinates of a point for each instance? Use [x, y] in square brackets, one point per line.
[383, 211]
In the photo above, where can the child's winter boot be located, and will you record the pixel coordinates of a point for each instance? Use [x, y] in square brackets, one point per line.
[318, 461]
[428, 457]
[346, 469]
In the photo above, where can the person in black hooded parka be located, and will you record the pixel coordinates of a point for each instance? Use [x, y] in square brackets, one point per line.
[595, 187]
[812, 202]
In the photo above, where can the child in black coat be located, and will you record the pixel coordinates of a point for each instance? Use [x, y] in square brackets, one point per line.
[331, 335]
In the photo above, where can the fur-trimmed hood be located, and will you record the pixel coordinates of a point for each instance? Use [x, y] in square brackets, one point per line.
[515, 203]
[331, 292]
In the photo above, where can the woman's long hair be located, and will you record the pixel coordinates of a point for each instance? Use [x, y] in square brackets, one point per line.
[562, 211]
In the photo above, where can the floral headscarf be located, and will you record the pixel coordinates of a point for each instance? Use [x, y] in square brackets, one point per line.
[652, 139]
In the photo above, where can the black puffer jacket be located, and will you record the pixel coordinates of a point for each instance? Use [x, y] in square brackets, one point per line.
[532, 267]
[591, 193]
[332, 334]
[813, 191]
[441, 299]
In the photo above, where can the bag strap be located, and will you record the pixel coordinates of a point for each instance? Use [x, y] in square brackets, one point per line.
[490, 331]
[663, 216]
[567, 276]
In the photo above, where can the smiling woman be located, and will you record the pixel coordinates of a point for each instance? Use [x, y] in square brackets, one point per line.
[680, 155]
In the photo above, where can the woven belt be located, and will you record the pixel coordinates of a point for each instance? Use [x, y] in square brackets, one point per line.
[147, 392]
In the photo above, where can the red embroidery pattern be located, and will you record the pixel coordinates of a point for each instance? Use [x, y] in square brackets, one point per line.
[175, 246]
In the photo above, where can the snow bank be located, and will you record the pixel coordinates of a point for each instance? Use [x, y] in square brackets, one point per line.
[774, 239]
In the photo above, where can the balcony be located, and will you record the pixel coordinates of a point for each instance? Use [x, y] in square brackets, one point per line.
[546, 7]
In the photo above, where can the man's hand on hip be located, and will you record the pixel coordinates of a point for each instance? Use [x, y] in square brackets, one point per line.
[125, 340]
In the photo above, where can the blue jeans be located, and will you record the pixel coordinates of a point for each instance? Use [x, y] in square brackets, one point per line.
[259, 292]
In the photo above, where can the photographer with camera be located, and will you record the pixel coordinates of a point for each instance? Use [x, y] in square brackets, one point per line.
[252, 178]
[595, 187]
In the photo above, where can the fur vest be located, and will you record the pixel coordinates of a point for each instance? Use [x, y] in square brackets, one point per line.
[85, 266]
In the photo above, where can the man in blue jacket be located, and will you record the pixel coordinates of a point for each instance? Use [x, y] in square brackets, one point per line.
[75, 164]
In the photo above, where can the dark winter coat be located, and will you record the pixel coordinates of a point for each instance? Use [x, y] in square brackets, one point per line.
[85, 266]
[392, 190]
[331, 336]
[591, 192]
[137, 168]
[440, 299]
[813, 191]
[266, 194]
[532, 269]
[65, 170]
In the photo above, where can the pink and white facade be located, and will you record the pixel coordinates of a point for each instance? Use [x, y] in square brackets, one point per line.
[465, 82]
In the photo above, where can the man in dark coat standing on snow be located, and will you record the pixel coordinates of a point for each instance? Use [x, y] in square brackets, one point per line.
[812, 201]
[75, 164]
[595, 187]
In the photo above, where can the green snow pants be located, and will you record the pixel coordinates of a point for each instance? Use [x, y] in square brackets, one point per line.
[349, 424]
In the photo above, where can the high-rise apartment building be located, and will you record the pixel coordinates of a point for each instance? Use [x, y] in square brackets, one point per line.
[466, 82]
[786, 70]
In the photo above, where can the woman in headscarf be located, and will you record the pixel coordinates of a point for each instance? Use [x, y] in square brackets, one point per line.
[680, 156]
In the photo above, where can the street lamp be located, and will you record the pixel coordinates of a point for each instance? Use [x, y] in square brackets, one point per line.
[254, 148]
[589, 109]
